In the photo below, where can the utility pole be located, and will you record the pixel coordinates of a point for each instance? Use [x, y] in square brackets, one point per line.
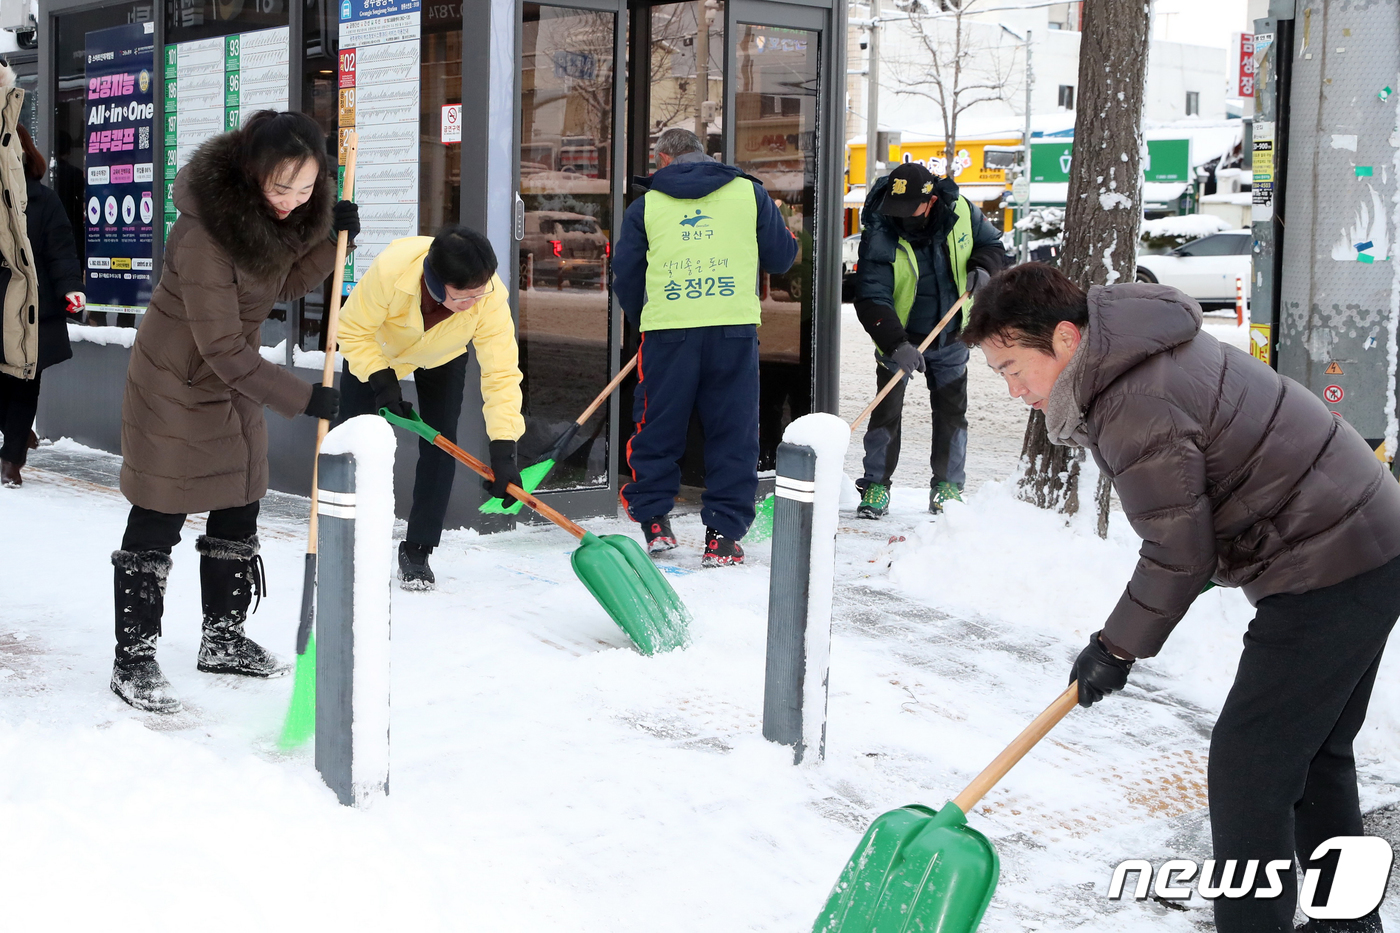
[1025, 253]
[702, 72]
[872, 104]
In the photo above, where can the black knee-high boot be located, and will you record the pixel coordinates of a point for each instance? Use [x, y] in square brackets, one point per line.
[139, 591]
[230, 573]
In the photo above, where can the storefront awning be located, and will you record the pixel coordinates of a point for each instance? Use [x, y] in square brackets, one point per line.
[981, 194]
[855, 197]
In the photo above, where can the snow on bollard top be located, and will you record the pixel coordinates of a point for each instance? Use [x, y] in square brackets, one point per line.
[371, 441]
[829, 436]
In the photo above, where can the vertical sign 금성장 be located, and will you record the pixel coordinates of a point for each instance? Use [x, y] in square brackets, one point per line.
[379, 98]
[213, 85]
[119, 209]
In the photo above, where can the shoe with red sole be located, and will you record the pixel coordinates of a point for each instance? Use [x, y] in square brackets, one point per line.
[721, 551]
[659, 535]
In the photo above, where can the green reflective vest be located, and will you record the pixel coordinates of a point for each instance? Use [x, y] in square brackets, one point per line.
[702, 259]
[906, 265]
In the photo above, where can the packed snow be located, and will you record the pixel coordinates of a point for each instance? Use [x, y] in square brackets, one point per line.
[548, 777]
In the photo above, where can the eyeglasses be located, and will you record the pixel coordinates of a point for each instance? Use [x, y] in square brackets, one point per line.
[471, 298]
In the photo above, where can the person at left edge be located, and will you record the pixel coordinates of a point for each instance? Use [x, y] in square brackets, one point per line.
[417, 309]
[257, 225]
[686, 272]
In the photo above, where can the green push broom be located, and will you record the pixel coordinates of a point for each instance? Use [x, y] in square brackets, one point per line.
[300, 724]
[533, 475]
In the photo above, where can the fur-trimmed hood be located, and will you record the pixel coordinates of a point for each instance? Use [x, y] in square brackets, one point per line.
[231, 206]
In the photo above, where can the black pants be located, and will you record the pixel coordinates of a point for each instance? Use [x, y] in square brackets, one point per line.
[947, 385]
[19, 401]
[440, 404]
[160, 531]
[1282, 776]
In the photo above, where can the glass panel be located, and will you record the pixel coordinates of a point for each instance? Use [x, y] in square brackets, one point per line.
[1211, 246]
[566, 145]
[439, 163]
[687, 72]
[187, 20]
[775, 103]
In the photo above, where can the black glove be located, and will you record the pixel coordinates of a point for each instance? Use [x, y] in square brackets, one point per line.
[908, 358]
[976, 278]
[346, 216]
[387, 393]
[507, 473]
[1099, 672]
[325, 402]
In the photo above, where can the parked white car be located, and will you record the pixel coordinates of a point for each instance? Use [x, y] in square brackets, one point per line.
[1205, 269]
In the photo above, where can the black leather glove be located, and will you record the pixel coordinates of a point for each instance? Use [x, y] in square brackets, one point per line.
[325, 402]
[346, 216]
[976, 278]
[908, 358]
[503, 465]
[1099, 673]
[387, 393]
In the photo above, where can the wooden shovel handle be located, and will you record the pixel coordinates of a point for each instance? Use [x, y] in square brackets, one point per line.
[608, 390]
[889, 386]
[1014, 752]
[554, 515]
[342, 247]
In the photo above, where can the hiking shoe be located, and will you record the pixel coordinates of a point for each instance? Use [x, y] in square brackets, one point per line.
[941, 493]
[874, 501]
[414, 572]
[659, 535]
[142, 685]
[721, 551]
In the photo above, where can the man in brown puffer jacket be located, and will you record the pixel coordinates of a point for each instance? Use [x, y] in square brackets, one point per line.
[1231, 474]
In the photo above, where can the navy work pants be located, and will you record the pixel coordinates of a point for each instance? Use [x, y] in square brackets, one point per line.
[947, 384]
[1282, 775]
[440, 404]
[712, 371]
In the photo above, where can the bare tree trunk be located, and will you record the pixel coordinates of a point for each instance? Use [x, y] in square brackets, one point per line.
[1103, 211]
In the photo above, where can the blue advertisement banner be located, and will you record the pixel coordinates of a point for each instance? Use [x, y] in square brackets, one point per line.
[119, 204]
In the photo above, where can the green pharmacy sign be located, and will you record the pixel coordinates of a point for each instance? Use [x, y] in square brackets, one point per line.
[1167, 160]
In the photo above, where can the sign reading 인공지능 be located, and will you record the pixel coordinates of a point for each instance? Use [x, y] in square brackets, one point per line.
[118, 205]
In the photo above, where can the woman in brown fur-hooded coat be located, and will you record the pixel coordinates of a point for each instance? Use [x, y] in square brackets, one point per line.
[257, 215]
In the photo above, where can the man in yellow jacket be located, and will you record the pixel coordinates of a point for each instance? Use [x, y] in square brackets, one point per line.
[416, 310]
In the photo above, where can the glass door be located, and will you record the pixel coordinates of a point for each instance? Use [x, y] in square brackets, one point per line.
[566, 227]
[775, 81]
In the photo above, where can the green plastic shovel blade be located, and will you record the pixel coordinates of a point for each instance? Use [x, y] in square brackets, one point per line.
[628, 586]
[915, 870]
[301, 714]
[762, 527]
[530, 477]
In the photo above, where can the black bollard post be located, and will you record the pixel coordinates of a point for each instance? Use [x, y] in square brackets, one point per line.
[785, 691]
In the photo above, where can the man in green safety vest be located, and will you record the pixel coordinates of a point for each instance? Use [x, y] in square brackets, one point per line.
[686, 272]
[922, 245]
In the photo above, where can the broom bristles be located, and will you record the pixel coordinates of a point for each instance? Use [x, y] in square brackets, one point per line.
[300, 724]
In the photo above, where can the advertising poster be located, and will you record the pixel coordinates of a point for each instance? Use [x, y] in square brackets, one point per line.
[379, 97]
[213, 85]
[119, 206]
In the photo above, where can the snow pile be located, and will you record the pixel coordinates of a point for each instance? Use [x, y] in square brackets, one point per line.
[829, 436]
[370, 440]
[102, 336]
[1185, 227]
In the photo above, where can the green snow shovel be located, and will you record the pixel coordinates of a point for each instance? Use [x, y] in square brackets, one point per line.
[534, 474]
[925, 870]
[614, 568]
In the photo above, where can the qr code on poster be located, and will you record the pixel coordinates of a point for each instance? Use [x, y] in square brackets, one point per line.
[143, 137]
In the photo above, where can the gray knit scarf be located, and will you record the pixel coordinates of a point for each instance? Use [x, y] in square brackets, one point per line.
[1064, 415]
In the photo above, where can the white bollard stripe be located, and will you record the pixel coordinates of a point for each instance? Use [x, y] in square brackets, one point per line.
[335, 498]
[798, 485]
[335, 511]
[785, 493]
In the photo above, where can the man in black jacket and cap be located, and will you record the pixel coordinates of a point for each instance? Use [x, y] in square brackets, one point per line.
[922, 246]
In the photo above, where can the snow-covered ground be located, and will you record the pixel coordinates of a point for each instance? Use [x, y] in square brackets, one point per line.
[546, 777]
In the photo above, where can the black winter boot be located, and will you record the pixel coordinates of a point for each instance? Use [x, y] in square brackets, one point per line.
[414, 572]
[230, 572]
[139, 591]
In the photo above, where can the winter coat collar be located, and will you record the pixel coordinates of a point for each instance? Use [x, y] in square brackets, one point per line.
[231, 206]
[1064, 416]
[1129, 323]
